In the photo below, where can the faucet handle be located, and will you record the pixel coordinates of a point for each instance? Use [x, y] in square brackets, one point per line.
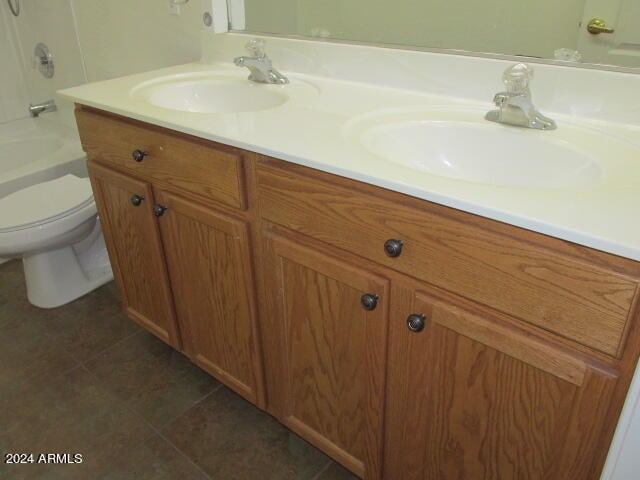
[517, 78]
[256, 47]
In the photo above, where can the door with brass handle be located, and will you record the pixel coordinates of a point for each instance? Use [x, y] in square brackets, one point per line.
[597, 26]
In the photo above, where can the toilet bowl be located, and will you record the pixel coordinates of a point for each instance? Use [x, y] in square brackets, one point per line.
[54, 227]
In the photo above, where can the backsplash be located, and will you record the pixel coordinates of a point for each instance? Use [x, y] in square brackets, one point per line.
[600, 95]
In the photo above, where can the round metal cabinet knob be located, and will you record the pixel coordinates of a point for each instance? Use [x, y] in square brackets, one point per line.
[416, 322]
[393, 248]
[369, 301]
[136, 200]
[158, 210]
[138, 155]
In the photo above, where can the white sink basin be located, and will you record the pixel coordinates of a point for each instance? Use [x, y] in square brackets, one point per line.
[206, 92]
[461, 145]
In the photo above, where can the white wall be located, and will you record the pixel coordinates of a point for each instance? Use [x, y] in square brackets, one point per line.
[13, 94]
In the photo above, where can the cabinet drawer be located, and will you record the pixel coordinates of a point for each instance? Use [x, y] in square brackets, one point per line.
[565, 295]
[203, 168]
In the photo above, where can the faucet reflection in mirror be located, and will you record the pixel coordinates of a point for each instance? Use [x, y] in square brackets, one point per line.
[514, 104]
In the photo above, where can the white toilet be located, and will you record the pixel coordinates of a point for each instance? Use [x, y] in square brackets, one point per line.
[54, 227]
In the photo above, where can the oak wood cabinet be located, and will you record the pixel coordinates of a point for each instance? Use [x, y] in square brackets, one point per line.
[472, 396]
[209, 260]
[135, 250]
[181, 255]
[331, 318]
[405, 339]
[507, 351]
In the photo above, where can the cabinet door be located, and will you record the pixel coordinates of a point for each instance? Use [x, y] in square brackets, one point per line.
[471, 397]
[331, 351]
[135, 250]
[209, 260]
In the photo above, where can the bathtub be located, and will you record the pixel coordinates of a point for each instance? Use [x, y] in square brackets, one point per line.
[34, 150]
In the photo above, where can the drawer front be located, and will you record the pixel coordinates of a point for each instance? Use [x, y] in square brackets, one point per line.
[579, 301]
[210, 171]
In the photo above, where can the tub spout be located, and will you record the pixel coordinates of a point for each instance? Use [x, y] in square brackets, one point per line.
[37, 109]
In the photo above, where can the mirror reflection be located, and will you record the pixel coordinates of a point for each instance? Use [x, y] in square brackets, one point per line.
[575, 31]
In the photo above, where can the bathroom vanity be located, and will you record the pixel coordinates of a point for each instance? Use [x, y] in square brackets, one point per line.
[405, 335]
[403, 338]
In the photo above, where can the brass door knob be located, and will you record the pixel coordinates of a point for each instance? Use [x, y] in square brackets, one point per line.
[597, 26]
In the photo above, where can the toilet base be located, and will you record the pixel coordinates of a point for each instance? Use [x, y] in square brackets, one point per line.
[56, 277]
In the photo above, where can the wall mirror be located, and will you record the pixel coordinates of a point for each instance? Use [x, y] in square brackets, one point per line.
[598, 33]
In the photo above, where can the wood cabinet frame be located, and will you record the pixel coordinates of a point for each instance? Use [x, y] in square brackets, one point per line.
[601, 369]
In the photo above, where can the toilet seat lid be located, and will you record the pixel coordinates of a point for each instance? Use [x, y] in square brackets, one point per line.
[44, 202]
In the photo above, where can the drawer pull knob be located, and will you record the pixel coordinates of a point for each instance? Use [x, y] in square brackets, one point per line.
[138, 155]
[416, 322]
[136, 200]
[369, 301]
[158, 210]
[393, 248]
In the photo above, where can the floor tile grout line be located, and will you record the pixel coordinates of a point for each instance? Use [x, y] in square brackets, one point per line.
[322, 470]
[184, 455]
[175, 447]
[155, 430]
[59, 373]
[53, 336]
[81, 364]
[162, 432]
[118, 399]
[105, 350]
[100, 381]
[200, 400]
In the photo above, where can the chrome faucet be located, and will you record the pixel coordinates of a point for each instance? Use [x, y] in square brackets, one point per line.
[514, 105]
[37, 109]
[259, 64]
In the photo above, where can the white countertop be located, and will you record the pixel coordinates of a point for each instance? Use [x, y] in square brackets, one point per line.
[312, 129]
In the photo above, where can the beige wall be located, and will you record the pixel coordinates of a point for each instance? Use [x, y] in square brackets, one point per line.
[13, 94]
[516, 27]
[96, 40]
[121, 37]
[51, 23]
[90, 40]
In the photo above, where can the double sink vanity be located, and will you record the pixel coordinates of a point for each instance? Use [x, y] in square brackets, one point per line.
[415, 290]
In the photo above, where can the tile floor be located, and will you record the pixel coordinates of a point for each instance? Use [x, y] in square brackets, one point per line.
[84, 379]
